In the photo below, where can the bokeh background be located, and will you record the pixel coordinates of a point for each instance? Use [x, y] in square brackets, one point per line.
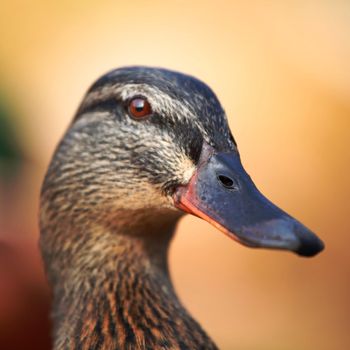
[282, 72]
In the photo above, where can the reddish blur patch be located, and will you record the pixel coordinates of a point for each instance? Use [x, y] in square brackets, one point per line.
[24, 297]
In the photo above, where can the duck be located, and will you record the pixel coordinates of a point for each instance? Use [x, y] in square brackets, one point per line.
[146, 146]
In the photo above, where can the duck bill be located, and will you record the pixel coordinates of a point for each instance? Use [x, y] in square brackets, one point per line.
[222, 193]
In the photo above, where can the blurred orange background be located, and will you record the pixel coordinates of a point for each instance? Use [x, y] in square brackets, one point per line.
[282, 72]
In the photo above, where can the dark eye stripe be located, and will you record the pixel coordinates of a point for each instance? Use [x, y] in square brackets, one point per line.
[109, 105]
[179, 129]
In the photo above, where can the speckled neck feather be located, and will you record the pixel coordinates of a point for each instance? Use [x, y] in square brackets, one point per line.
[117, 293]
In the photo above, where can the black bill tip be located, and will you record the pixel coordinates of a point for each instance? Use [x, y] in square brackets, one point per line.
[310, 244]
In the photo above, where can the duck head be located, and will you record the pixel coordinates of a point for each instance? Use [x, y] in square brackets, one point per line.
[156, 143]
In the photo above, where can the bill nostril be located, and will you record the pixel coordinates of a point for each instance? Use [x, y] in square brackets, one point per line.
[227, 182]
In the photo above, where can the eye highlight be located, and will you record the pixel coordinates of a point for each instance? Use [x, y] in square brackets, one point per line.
[139, 108]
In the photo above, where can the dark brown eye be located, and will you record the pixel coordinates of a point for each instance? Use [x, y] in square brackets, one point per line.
[139, 107]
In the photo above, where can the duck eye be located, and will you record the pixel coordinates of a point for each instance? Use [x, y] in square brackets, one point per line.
[139, 107]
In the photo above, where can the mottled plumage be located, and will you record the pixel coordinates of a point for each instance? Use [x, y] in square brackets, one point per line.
[107, 215]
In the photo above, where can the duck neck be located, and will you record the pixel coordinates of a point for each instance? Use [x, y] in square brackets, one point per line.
[116, 292]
